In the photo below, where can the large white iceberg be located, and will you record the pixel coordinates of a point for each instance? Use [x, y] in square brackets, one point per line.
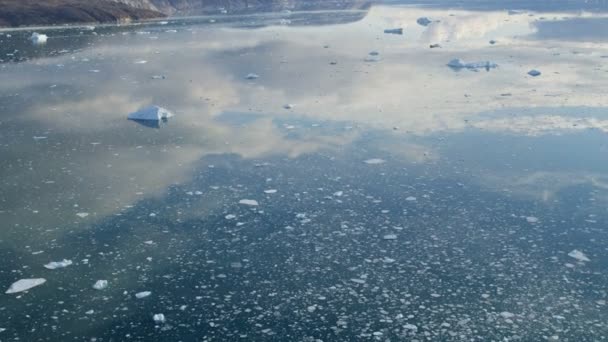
[25, 284]
[152, 113]
[460, 64]
[38, 38]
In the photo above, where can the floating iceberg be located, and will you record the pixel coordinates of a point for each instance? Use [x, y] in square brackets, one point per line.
[578, 255]
[424, 21]
[394, 31]
[152, 113]
[100, 285]
[53, 265]
[24, 285]
[142, 294]
[38, 38]
[249, 202]
[460, 64]
[159, 318]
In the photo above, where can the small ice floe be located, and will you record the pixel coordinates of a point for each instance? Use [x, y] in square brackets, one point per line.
[141, 62]
[424, 21]
[24, 285]
[460, 64]
[82, 215]
[288, 106]
[390, 237]
[249, 202]
[252, 76]
[410, 327]
[394, 31]
[507, 315]
[532, 219]
[375, 161]
[159, 318]
[411, 199]
[38, 38]
[578, 255]
[100, 285]
[152, 113]
[270, 191]
[358, 281]
[142, 294]
[534, 73]
[53, 265]
[230, 217]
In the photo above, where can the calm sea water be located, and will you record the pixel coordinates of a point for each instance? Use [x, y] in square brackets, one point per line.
[357, 189]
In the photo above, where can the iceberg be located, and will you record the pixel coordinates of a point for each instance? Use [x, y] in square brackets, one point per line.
[24, 285]
[249, 202]
[424, 21]
[152, 113]
[394, 31]
[38, 38]
[460, 64]
[159, 318]
[53, 265]
[100, 285]
[578, 255]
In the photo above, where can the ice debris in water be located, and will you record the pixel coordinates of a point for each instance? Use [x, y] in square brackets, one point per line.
[375, 161]
[53, 265]
[100, 285]
[24, 285]
[270, 191]
[460, 64]
[249, 202]
[142, 294]
[152, 113]
[578, 255]
[82, 215]
[394, 31]
[424, 21]
[252, 76]
[390, 237]
[159, 318]
[38, 38]
[534, 73]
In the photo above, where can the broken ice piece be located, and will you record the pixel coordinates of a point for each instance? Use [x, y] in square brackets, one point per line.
[375, 161]
[53, 265]
[159, 318]
[142, 294]
[230, 217]
[532, 219]
[24, 285]
[249, 202]
[424, 21]
[534, 73]
[100, 285]
[578, 255]
[152, 113]
[460, 64]
[38, 38]
[252, 76]
[82, 215]
[394, 31]
[270, 191]
[390, 237]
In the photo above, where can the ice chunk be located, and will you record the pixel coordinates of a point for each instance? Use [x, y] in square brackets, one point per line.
[390, 237]
[424, 21]
[411, 199]
[578, 255]
[394, 31]
[82, 215]
[460, 64]
[270, 191]
[100, 285]
[152, 113]
[252, 76]
[249, 202]
[53, 265]
[38, 38]
[532, 219]
[507, 315]
[358, 281]
[375, 161]
[142, 294]
[230, 217]
[410, 327]
[159, 318]
[24, 285]
[534, 73]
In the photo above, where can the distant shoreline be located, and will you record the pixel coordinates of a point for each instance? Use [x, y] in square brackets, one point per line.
[34, 13]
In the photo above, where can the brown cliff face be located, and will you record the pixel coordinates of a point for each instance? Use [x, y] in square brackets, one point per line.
[14, 13]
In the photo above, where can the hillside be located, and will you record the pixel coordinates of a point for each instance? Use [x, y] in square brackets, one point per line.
[14, 13]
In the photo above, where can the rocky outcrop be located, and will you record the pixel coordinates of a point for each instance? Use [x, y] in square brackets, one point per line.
[15, 13]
